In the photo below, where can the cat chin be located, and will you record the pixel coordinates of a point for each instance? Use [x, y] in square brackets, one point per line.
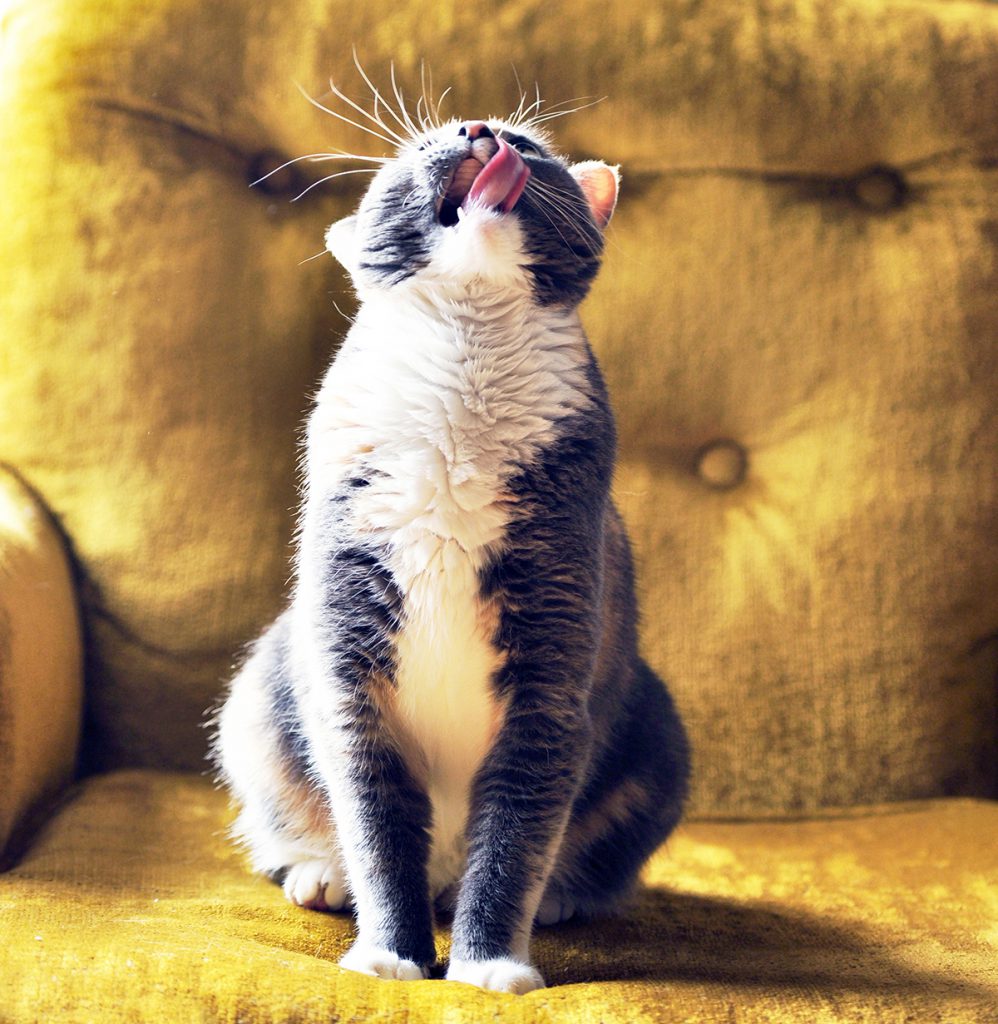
[485, 246]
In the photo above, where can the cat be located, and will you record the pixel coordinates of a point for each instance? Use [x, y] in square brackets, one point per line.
[451, 711]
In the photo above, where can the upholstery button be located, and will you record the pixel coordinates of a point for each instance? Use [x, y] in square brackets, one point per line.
[879, 189]
[722, 464]
[267, 175]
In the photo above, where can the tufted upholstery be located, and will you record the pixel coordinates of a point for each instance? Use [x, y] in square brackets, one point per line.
[797, 318]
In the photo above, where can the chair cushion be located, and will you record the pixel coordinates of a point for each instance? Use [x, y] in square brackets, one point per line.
[133, 906]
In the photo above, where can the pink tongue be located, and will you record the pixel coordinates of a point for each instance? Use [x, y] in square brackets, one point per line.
[501, 181]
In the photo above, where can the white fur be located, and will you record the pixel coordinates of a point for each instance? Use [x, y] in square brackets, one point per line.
[499, 975]
[380, 963]
[251, 766]
[319, 884]
[446, 386]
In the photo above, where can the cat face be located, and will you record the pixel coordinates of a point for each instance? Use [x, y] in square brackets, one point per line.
[480, 202]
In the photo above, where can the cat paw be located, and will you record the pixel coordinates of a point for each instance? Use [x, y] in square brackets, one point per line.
[381, 963]
[554, 910]
[316, 884]
[498, 975]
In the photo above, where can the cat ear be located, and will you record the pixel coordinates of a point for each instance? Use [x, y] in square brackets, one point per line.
[599, 182]
[341, 241]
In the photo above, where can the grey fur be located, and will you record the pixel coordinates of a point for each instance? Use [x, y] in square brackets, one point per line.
[589, 771]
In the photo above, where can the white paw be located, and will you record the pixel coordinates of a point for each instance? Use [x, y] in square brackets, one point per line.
[381, 963]
[317, 884]
[554, 910]
[498, 975]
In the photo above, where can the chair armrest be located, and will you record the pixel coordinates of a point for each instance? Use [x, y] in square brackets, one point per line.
[41, 661]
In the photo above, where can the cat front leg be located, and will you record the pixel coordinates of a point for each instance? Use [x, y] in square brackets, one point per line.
[345, 629]
[523, 793]
[382, 818]
[521, 802]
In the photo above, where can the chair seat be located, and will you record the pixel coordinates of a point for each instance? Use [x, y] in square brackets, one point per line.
[133, 906]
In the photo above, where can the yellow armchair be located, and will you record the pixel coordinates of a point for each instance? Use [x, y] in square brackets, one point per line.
[797, 317]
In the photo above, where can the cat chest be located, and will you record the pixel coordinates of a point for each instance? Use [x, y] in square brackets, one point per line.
[444, 710]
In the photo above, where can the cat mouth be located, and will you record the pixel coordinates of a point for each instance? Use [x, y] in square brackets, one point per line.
[493, 177]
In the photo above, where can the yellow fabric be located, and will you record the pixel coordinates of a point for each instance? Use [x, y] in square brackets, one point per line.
[827, 622]
[41, 672]
[133, 907]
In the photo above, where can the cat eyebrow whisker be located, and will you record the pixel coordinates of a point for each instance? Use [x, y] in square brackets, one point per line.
[386, 134]
[438, 103]
[376, 117]
[528, 112]
[422, 114]
[553, 112]
[517, 116]
[406, 125]
[408, 122]
[425, 101]
[522, 114]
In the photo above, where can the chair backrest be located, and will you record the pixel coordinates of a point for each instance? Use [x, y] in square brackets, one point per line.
[797, 318]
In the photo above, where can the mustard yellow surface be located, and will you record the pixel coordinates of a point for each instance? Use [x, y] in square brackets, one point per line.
[132, 907]
[803, 267]
[41, 664]
[797, 317]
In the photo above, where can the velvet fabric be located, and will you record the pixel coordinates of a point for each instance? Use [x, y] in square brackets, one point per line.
[797, 318]
[801, 273]
[133, 907]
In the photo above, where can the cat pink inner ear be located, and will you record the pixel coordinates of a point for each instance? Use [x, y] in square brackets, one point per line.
[598, 182]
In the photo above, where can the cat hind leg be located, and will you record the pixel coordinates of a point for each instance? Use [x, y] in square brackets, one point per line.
[631, 804]
[284, 822]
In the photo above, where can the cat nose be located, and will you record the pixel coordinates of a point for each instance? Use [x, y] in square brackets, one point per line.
[475, 130]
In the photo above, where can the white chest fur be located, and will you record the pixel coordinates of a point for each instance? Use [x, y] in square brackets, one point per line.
[436, 402]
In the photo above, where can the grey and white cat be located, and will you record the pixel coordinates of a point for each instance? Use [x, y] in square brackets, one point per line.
[452, 711]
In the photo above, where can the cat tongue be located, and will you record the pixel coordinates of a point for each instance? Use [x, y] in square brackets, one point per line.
[501, 181]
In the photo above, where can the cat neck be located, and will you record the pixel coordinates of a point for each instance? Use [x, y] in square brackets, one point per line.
[484, 311]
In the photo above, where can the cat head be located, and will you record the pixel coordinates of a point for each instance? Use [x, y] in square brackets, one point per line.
[480, 202]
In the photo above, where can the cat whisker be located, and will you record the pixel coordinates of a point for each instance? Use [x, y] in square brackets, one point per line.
[319, 158]
[517, 115]
[523, 114]
[549, 204]
[346, 316]
[570, 203]
[546, 209]
[329, 177]
[308, 259]
[413, 130]
[346, 120]
[424, 100]
[575, 205]
[552, 113]
[438, 103]
[431, 105]
[422, 114]
[375, 118]
[403, 122]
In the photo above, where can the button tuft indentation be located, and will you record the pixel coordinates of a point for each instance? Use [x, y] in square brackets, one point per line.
[879, 189]
[722, 464]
